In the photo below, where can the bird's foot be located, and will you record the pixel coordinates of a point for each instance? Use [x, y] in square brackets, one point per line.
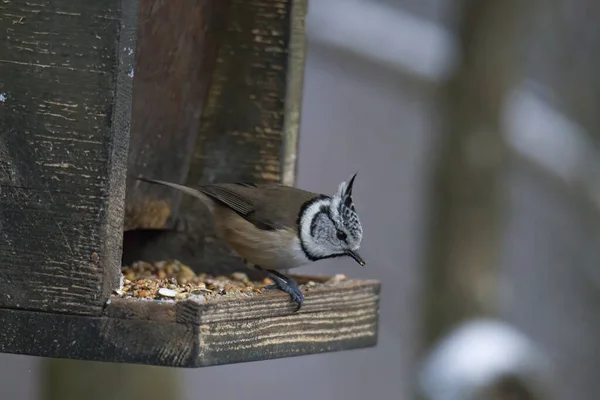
[287, 285]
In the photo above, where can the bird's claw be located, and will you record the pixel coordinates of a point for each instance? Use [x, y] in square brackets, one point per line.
[287, 285]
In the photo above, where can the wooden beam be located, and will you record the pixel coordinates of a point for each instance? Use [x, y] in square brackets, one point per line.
[64, 131]
[189, 333]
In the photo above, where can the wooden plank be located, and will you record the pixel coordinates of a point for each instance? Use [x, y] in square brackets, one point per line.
[64, 123]
[96, 338]
[248, 130]
[175, 55]
[268, 338]
[195, 334]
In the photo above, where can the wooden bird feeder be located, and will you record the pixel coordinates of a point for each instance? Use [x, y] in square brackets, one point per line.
[96, 92]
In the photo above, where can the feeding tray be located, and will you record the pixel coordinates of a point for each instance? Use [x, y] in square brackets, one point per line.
[198, 90]
[159, 321]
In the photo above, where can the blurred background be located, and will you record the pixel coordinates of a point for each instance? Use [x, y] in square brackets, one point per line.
[474, 127]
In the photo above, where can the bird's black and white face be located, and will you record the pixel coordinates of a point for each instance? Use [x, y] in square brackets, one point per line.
[330, 227]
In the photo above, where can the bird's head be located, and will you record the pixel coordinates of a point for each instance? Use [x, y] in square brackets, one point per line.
[330, 226]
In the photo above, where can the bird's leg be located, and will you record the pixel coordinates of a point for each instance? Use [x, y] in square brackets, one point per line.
[285, 284]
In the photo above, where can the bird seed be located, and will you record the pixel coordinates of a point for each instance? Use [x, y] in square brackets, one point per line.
[172, 280]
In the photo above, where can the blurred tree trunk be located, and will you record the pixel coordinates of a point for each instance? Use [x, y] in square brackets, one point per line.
[77, 380]
[467, 210]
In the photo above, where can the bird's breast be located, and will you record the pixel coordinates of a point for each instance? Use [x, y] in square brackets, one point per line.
[270, 249]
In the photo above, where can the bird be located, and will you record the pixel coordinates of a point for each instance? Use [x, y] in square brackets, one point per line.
[272, 226]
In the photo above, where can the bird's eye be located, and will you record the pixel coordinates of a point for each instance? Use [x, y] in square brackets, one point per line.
[341, 235]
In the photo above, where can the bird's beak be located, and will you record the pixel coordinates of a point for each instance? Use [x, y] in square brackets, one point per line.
[356, 257]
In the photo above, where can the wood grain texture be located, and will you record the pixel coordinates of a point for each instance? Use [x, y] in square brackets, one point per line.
[231, 342]
[241, 126]
[231, 330]
[63, 146]
[175, 55]
[197, 334]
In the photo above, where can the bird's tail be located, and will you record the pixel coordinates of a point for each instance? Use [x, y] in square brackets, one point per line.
[188, 190]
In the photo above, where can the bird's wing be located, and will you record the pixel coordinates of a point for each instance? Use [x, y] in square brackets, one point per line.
[269, 207]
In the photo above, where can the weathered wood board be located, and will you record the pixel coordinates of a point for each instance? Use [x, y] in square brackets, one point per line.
[197, 334]
[175, 56]
[64, 130]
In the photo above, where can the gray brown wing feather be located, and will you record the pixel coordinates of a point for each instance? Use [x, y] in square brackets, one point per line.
[236, 201]
[268, 207]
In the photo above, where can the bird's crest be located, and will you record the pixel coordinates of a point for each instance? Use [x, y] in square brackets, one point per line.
[343, 205]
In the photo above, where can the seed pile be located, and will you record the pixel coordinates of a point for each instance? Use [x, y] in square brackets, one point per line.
[172, 280]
